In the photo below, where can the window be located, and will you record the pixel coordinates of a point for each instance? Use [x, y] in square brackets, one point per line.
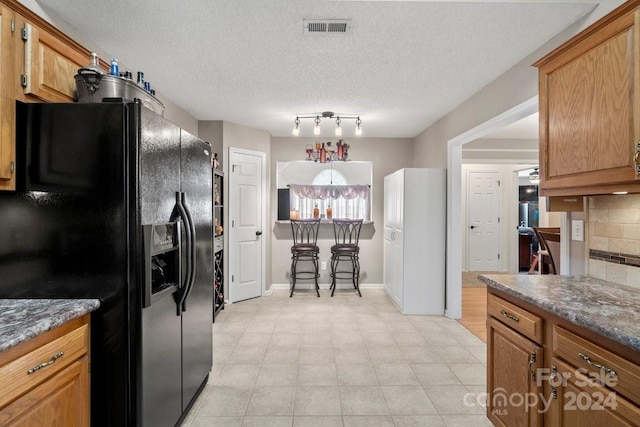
[345, 186]
[329, 188]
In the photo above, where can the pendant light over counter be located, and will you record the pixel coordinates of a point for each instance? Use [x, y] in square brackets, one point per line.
[327, 115]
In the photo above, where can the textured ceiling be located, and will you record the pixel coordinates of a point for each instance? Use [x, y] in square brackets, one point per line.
[403, 66]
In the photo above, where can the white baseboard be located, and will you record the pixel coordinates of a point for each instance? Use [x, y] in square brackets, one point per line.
[280, 286]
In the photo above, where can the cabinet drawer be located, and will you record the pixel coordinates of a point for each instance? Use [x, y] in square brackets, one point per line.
[528, 324]
[616, 372]
[29, 370]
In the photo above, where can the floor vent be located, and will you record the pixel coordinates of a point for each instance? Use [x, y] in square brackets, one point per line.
[327, 26]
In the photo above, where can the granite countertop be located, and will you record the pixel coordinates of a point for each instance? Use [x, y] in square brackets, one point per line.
[604, 307]
[23, 319]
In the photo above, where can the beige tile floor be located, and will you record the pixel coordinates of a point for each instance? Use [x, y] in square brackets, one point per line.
[342, 361]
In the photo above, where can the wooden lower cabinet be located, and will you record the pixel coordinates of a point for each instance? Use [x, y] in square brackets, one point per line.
[580, 402]
[543, 370]
[512, 383]
[60, 401]
[45, 381]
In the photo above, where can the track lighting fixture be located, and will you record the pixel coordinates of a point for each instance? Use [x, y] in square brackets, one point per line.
[327, 115]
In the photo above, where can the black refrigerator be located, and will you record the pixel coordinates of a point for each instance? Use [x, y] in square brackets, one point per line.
[114, 202]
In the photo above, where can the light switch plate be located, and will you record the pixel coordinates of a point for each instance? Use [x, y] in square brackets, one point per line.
[577, 230]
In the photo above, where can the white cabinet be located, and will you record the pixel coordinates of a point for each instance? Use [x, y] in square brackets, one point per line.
[414, 240]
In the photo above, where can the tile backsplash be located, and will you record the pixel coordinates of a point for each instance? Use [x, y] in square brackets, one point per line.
[614, 238]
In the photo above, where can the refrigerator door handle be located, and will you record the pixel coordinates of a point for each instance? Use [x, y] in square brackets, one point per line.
[188, 244]
[191, 254]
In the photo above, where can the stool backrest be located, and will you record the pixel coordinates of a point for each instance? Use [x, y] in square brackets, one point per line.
[305, 231]
[552, 242]
[541, 241]
[347, 231]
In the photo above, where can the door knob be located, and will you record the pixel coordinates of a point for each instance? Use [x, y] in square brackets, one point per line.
[258, 233]
[472, 227]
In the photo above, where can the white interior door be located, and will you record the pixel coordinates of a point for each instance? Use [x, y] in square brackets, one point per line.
[484, 206]
[246, 213]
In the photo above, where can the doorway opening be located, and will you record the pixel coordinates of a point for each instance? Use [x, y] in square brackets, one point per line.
[455, 200]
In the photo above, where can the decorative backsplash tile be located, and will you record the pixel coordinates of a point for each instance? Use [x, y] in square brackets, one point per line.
[614, 238]
[615, 257]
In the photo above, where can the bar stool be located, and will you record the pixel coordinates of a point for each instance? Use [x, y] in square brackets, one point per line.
[347, 233]
[305, 248]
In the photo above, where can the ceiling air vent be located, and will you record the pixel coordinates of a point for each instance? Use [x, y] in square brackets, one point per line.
[327, 26]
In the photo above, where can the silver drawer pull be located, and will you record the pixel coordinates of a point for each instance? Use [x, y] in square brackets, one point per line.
[597, 366]
[45, 364]
[509, 316]
[553, 381]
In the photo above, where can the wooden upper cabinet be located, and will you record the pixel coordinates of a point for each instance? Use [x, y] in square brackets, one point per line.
[589, 108]
[50, 66]
[39, 64]
[7, 100]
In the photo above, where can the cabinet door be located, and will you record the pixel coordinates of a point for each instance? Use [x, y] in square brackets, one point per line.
[589, 118]
[389, 218]
[7, 99]
[513, 382]
[392, 237]
[62, 400]
[580, 402]
[50, 66]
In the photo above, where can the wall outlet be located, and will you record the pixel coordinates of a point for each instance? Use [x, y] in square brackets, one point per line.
[577, 230]
[323, 265]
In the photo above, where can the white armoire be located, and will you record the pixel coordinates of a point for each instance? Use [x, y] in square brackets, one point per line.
[414, 239]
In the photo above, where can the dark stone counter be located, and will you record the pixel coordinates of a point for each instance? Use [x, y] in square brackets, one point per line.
[23, 319]
[606, 308]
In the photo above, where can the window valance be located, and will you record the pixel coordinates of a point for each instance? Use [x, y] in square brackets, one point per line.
[324, 192]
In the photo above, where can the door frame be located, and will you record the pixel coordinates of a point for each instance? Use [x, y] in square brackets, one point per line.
[231, 217]
[454, 197]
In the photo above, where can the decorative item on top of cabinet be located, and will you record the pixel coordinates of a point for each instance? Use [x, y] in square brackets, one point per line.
[590, 109]
[45, 381]
[325, 153]
[218, 243]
